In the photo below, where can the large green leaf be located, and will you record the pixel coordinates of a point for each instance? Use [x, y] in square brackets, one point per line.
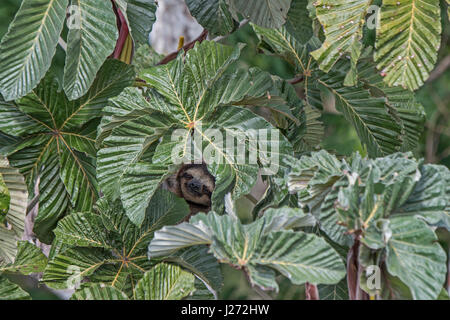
[415, 257]
[298, 22]
[162, 282]
[15, 213]
[430, 198]
[266, 13]
[338, 291]
[29, 259]
[139, 185]
[5, 199]
[342, 21]
[130, 131]
[205, 267]
[165, 282]
[301, 257]
[11, 291]
[26, 51]
[400, 102]
[213, 15]
[189, 109]
[107, 247]
[258, 247]
[408, 40]
[387, 202]
[370, 116]
[140, 16]
[286, 45]
[57, 143]
[89, 43]
[99, 292]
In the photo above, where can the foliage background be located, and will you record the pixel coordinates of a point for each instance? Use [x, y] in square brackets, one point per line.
[339, 136]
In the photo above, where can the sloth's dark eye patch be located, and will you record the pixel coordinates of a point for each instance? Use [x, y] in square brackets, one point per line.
[187, 176]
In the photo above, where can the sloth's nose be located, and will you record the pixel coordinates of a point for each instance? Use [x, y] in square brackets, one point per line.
[195, 186]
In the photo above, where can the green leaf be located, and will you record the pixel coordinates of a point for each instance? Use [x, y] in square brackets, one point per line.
[26, 51]
[415, 257]
[408, 40]
[190, 99]
[203, 265]
[29, 259]
[258, 247]
[140, 16]
[342, 22]
[99, 292]
[203, 66]
[286, 45]
[213, 15]
[286, 218]
[165, 282]
[298, 22]
[11, 291]
[57, 143]
[107, 248]
[139, 185]
[88, 45]
[54, 201]
[400, 102]
[130, 131]
[301, 257]
[312, 176]
[15, 213]
[5, 199]
[338, 291]
[375, 126]
[82, 230]
[430, 198]
[68, 268]
[266, 13]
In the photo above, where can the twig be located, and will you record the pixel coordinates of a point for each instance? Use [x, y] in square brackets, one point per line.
[190, 45]
[440, 69]
[241, 24]
[311, 291]
[295, 80]
[186, 47]
[62, 44]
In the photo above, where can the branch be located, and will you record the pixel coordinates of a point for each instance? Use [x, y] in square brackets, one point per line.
[311, 291]
[440, 69]
[186, 48]
[295, 80]
[62, 44]
[190, 45]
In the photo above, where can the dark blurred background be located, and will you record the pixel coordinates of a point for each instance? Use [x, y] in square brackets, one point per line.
[339, 135]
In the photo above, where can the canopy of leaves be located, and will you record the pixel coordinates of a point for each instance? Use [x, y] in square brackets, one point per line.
[110, 251]
[407, 37]
[29, 260]
[386, 119]
[259, 248]
[193, 105]
[162, 282]
[27, 50]
[54, 139]
[382, 199]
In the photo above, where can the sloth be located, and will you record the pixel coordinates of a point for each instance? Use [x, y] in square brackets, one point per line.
[195, 184]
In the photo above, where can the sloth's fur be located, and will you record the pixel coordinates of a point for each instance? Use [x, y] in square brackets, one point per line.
[195, 184]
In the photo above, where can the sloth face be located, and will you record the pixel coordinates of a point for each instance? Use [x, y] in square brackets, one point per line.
[196, 184]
